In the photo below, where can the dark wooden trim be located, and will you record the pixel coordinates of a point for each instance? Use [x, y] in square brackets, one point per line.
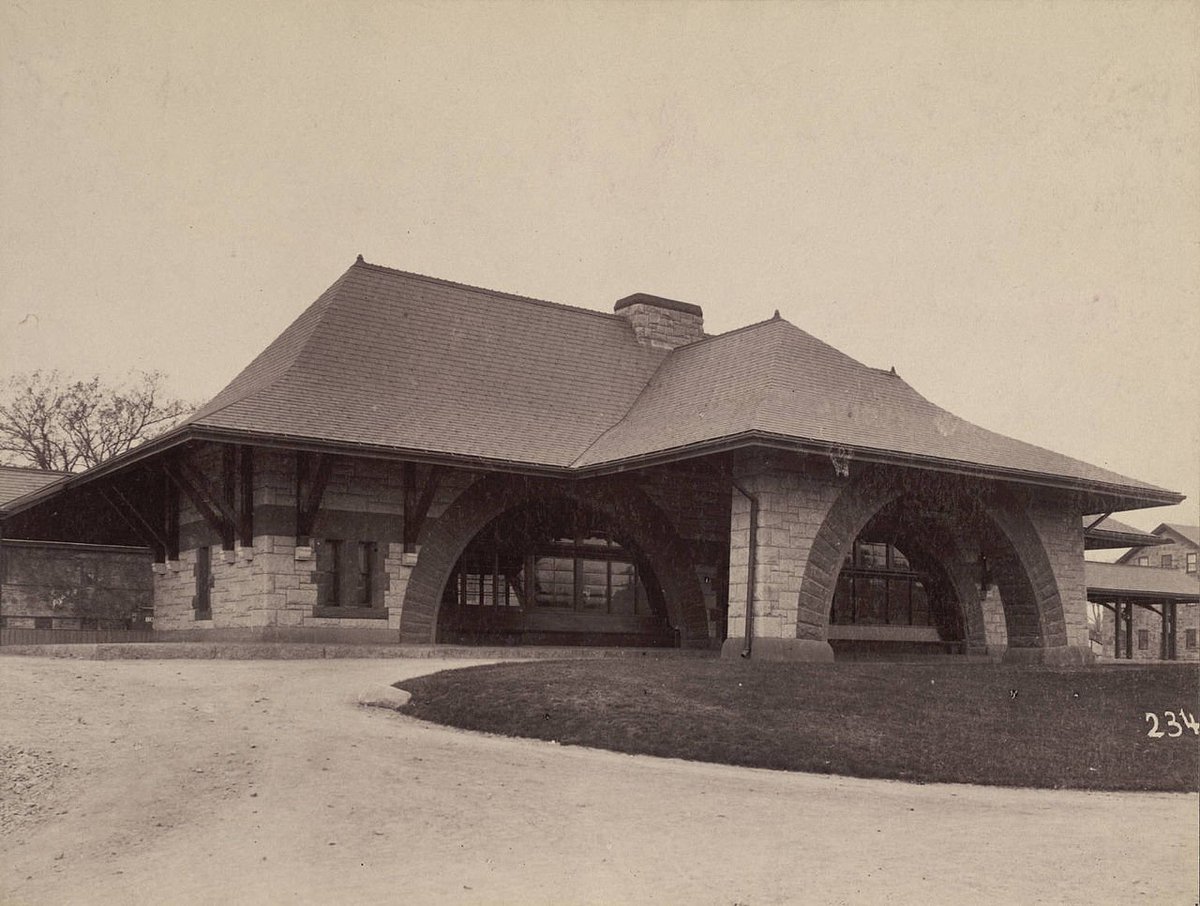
[416, 507]
[212, 507]
[170, 494]
[135, 519]
[246, 496]
[308, 504]
[229, 472]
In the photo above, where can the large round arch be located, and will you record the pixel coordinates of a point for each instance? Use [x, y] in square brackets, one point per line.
[444, 540]
[934, 563]
[1013, 556]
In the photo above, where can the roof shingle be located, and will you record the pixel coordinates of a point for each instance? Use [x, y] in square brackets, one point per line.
[397, 360]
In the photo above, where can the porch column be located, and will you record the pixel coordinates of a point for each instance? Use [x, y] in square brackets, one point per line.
[767, 561]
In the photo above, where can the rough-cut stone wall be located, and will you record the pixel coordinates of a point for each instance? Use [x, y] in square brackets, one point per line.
[792, 508]
[73, 583]
[271, 585]
[1177, 550]
[807, 523]
[1059, 527]
[994, 628]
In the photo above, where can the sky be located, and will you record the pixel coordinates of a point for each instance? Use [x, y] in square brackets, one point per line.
[1001, 200]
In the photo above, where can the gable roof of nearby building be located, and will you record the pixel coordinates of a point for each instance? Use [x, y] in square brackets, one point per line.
[18, 481]
[1187, 533]
[394, 363]
[1165, 533]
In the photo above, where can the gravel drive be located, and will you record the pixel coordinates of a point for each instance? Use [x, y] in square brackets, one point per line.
[266, 782]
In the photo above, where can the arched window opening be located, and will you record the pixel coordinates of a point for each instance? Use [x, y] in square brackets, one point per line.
[878, 586]
[893, 597]
[553, 573]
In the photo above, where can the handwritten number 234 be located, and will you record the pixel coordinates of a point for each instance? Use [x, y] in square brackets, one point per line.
[1173, 725]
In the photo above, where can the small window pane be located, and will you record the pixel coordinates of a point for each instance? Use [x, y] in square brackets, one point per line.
[843, 601]
[593, 587]
[920, 606]
[898, 600]
[555, 582]
[624, 593]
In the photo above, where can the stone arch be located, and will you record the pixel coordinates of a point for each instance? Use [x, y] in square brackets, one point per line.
[1034, 613]
[923, 551]
[444, 539]
[1021, 566]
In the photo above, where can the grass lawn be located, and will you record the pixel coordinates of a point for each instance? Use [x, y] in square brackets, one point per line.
[1082, 728]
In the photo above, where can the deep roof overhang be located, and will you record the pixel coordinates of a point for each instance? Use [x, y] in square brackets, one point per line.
[1098, 496]
[1097, 540]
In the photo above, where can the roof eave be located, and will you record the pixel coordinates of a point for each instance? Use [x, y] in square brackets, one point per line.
[1122, 497]
[1115, 497]
[1099, 541]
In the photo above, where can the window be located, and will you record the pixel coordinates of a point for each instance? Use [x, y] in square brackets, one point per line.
[364, 577]
[1143, 639]
[591, 574]
[204, 584]
[329, 572]
[1191, 562]
[1191, 638]
[347, 578]
[1143, 561]
[879, 587]
[1167, 561]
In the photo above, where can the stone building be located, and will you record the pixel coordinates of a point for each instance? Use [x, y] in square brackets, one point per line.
[418, 461]
[55, 585]
[1146, 605]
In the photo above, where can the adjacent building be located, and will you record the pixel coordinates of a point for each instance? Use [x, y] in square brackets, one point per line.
[48, 586]
[1146, 605]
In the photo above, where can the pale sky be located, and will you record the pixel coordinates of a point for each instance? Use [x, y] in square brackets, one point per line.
[1001, 200]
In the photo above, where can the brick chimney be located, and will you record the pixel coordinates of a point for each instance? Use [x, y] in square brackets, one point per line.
[662, 323]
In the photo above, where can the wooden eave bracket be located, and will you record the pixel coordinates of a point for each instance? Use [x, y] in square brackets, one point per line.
[135, 519]
[307, 505]
[215, 510]
[416, 507]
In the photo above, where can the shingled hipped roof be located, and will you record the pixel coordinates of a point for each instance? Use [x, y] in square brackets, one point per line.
[17, 481]
[397, 360]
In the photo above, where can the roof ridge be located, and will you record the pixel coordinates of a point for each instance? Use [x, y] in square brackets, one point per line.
[708, 338]
[325, 301]
[628, 412]
[515, 297]
[769, 386]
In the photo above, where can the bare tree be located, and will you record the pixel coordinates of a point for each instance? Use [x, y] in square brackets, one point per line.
[51, 421]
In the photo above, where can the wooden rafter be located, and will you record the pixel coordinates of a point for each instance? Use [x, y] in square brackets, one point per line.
[308, 500]
[135, 519]
[246, 495]
[216, 512]
[417, 503]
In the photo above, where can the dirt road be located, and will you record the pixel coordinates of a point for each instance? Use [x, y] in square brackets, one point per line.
[263, 782]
